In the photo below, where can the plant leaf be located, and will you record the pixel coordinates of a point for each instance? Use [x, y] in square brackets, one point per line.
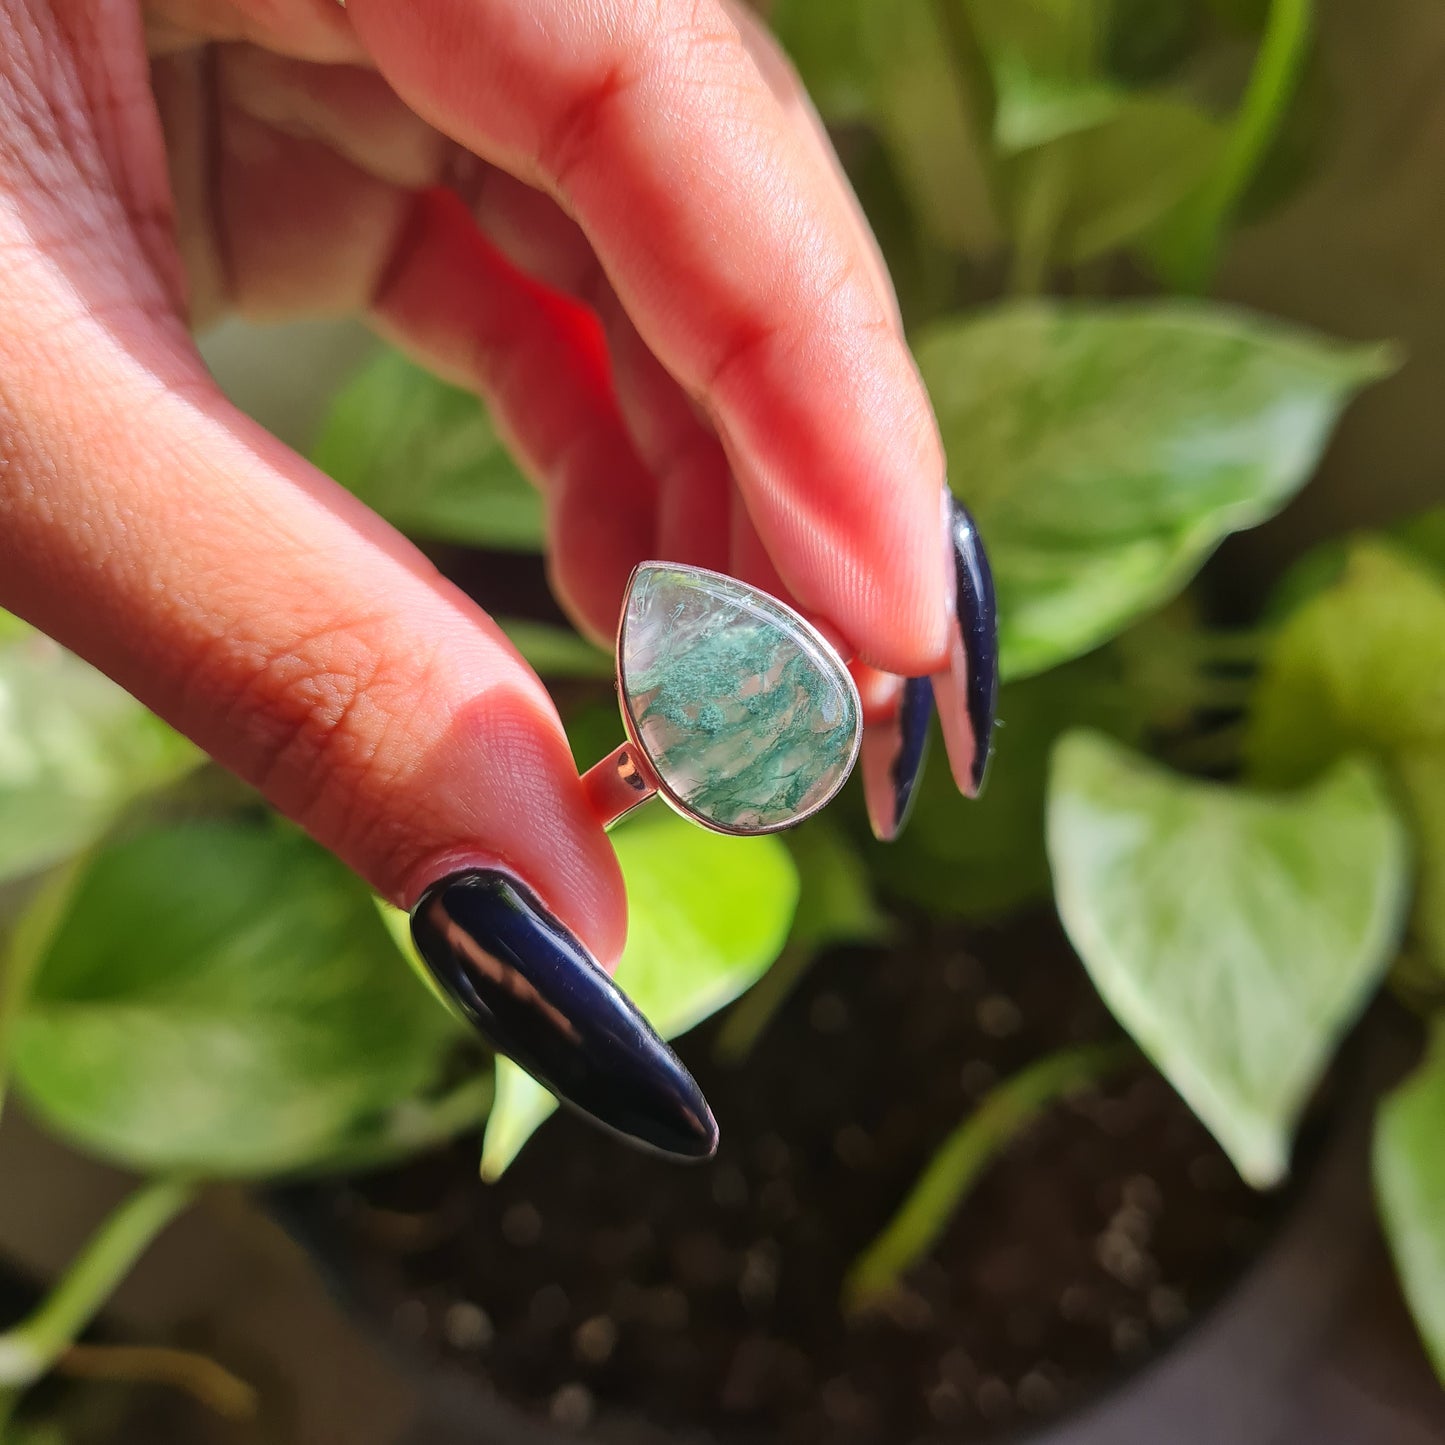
[222, 999]
[1130, 170]
[75, 749]
[1409, 1169]
[426, 456]
[1105, 451]
[1035, 108]
[983, 857]
[892, 62]
[1360, 666]
[1234, 934]
[706, 915]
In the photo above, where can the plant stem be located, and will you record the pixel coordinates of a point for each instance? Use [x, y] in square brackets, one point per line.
[975, 88]
[202, 1378]
[32, 1347]
[963, 1157]
[1188, 251]
[758, 1007]
[1045, 193]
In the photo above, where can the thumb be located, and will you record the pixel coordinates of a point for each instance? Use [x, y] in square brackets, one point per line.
[269, 616]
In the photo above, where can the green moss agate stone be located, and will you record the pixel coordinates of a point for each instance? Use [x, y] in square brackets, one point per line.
[748, 717]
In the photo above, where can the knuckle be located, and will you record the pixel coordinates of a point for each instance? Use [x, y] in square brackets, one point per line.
[578, 131]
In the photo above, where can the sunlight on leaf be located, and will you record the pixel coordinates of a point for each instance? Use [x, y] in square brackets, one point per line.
[1106, 451]
[222, 998]
[426, 456]
[707, 914]
[1409, 1168]
[1234, 934]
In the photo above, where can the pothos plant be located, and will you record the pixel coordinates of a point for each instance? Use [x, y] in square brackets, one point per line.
[1243, 831]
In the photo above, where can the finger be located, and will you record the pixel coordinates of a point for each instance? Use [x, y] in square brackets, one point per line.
[296, 226]
[539, 360]
[783, 80]
[150, 526]
[737, 263]
[692, 472]
[245, 597]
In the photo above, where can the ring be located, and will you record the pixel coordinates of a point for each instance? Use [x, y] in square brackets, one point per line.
[739, 713]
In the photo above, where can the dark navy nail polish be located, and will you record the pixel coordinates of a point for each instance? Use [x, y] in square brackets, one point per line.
[967, 693]
[538, 996]
[894, 750]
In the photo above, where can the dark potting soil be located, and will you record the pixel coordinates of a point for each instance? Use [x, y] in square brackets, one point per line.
[595, 1286]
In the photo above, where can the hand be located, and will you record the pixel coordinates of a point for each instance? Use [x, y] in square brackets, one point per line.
[516, 191]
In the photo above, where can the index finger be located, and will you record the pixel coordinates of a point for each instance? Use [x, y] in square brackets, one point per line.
[737, 261]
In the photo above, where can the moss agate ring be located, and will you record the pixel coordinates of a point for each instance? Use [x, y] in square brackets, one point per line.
[739, 713]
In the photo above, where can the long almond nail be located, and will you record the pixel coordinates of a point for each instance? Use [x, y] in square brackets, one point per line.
[894, 749]
[967, 692]
[537, 995]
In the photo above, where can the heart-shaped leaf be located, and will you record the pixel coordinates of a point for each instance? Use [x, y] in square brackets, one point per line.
[426, 456]
[707, 914]
[1234, 934]
[1106, 451]
[74, 750]
[222, 999]
[1409, 1167]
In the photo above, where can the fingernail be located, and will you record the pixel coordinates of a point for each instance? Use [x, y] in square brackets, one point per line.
[967, 693]
[894, 747]
[538, 996]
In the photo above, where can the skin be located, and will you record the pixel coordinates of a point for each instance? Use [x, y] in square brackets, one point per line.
[617, 220]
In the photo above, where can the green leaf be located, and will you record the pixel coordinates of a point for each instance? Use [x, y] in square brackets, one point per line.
[222, 999]
[426, 456]
[1360, 666]
[557, 651]
[706, 915]
[1409, 1168]
[75, 749]
[1421, 538]
[1105, 451]
[1130, 170]
[983, 857]
[1035, 108]
[1420, 777]
[1234, 934]
[898, 64]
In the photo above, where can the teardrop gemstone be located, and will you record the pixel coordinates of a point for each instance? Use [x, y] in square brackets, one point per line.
[750, 719]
